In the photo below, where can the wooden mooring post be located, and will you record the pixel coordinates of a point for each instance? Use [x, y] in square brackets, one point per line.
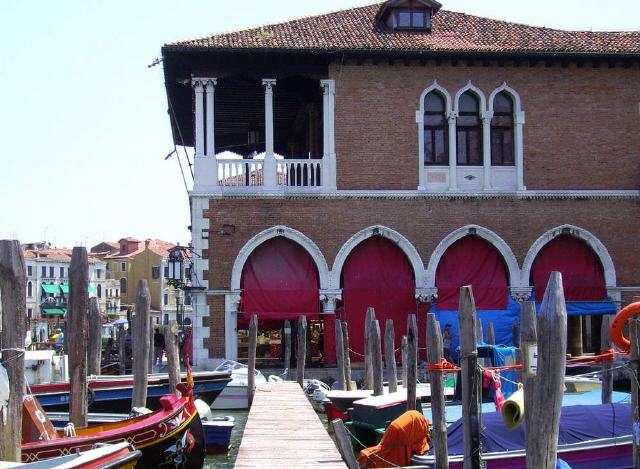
[412, 361]
[339, 355]
[12, 334]
[491, 334]
[251, 372]
[287, 350]
[75, 336]
[94, 352]
[634, 357]
[140, 345]
[471, 380]
[368, 368]
[438, 418]
[528, 356]
[343, 442]
[404, 345]
[122, 350]
[542, 444]
[171, 345]
[390, 356]
[347, 356]
[301, 350]
[375, 350]
[607, 373]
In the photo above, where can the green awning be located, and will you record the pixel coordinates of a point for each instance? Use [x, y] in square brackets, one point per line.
[65, 289]
[55, 311]
[53, 289]
[90, 288]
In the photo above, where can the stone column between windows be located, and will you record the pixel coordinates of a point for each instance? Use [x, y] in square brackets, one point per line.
[519, 149]
[486, 148]
[329, 298]
[453, 154]
[329, 142]
[231, 303]
[270, 168]
[422, 173]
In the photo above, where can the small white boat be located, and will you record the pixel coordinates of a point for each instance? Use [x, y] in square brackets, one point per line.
[234, 395]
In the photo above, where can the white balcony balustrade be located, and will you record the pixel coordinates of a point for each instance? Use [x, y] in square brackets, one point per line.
[300, 173]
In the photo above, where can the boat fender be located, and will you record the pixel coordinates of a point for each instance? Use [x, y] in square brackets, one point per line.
[513, 409]
[618, 323]
[4, 393]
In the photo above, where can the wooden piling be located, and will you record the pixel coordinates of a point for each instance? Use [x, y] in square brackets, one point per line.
[251, 372]
[515, 333]
[339, 356]
[122, 350]
[528, 353]
[438, 418]
[75, 336]
[479, 331]
[376, 357]
[12, 334]
[94, 352]
[491, 334]
[368, 368]
[403, 351]
[343, 442]
[390, 356]
[302, 350]
[347, 357]
[471, 380]
[605, 347]
[542, 444]
[140, 345]
[287, 350]
[575, 323]
[634, 357]
[412, 361]
[171, 344]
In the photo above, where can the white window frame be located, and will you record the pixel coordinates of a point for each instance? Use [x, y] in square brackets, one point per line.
[485, 178]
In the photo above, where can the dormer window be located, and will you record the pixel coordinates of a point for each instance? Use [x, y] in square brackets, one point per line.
[412, 19]
[407, 15]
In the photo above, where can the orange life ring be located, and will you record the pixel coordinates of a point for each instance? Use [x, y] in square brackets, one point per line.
[618, 323]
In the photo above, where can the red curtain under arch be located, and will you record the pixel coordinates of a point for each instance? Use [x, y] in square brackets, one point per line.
[279, 281]
[377, 274]
[476, 262]
[582, 272]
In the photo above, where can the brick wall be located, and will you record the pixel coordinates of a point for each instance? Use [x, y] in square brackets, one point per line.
[580, 133]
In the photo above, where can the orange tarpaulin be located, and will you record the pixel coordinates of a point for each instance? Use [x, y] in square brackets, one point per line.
[406, 435]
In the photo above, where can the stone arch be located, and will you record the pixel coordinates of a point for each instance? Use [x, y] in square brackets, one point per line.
[435, 86]
[517, 103]
[580, 233]
[477, 91]
[286, 232]
[378, 230]
[484, 233]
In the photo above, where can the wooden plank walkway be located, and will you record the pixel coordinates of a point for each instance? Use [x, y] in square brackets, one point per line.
[283, 431]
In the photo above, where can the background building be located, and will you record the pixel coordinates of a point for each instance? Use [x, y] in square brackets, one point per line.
[380, 156]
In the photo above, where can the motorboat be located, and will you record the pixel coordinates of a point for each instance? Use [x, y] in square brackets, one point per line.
[234, 395]
[113, 393]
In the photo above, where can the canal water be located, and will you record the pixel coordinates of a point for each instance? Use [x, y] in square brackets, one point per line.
[226, 461]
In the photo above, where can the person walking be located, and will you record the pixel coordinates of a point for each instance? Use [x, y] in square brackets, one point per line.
[158, 347]
[446, 342]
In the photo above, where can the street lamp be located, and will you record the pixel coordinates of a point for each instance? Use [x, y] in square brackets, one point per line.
[176, 260]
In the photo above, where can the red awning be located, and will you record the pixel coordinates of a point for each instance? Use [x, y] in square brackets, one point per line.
[582, 272]
[279, 281]
[472, 261]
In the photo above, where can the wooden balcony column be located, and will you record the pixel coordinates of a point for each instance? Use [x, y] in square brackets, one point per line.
[329, 140]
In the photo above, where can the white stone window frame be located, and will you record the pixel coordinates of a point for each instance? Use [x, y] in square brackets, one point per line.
[451, 178]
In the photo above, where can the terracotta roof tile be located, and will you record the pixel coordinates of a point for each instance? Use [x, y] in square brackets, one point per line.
[355, 29]
[55, 254]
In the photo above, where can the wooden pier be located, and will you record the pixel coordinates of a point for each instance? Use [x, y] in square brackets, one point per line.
[284, 431]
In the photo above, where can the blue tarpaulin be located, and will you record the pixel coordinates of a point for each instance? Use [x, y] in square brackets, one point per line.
[577, 423]
[586, 308]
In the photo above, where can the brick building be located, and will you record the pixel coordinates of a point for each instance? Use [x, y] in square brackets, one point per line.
[380, 156]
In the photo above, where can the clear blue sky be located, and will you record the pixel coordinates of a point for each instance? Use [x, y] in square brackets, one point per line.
[83, 120]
